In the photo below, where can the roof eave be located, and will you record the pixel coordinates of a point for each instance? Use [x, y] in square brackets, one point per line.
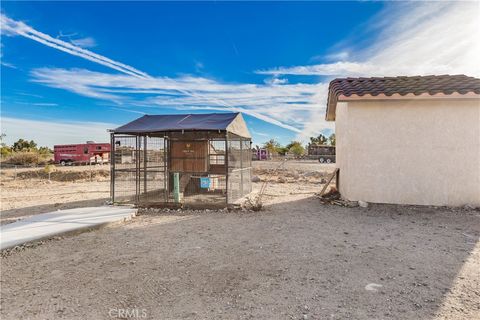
[146, 132]
[332, 103]
[409, 96]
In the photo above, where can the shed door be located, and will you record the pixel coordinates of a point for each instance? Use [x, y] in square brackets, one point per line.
[189, 156]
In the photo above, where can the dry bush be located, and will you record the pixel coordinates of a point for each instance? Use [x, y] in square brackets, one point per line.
[27, 158]
[253, 203]
[99, 175]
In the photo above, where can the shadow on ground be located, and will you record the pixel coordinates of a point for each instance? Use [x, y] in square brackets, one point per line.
[12, 215]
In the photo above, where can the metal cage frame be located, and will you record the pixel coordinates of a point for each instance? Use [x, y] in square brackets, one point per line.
[141, 169]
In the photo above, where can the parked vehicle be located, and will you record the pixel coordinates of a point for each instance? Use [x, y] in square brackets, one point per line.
[324, 154]
[261, 154]
[90, 152]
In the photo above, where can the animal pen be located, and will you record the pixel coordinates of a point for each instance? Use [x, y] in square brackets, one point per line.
[196, 160]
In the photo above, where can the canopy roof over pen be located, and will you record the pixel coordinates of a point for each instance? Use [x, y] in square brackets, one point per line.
[229, 122]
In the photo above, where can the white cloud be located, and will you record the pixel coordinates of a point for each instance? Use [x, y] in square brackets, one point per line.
[45, 104]
[275, 80]
[11, 27]
[342, 56]
[87, 42]
[8, 65]
[81, 82]
[48, 133]
[3, 63]
[287, 106]
[327, 69]
[413, 39]
[261, 134]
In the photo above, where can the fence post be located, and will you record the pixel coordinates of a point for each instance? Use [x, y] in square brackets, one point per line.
[112, 167]
[145, 154]
[241, 166]
[227, 172]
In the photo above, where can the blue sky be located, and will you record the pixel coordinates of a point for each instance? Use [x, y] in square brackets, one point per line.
[69, 71]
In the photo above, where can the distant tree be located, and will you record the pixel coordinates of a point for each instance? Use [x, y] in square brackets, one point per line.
[45, 150]
[296, 148]
[320, 139]
[282, 150]
[332, 139]
[24, 145]
[273, 146]
[33, 145]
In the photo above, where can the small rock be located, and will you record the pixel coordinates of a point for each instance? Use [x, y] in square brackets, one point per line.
[362, 204]
[373, 287]
[256, 179]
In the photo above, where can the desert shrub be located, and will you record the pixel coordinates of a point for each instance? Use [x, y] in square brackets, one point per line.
[27, 158]
[61, 175]
[253, 203]
[5, 151]
[49, 168]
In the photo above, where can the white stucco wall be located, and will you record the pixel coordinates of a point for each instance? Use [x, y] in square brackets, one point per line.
[423, 152]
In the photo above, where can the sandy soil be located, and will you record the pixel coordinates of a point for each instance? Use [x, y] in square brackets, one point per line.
[31, 192]
[297, 259]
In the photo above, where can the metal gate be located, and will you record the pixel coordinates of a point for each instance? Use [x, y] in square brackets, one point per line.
[138, 169]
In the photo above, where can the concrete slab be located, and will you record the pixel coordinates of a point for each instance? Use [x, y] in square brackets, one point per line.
[46, 225]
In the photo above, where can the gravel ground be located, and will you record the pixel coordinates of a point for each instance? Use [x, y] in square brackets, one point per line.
[297, 259]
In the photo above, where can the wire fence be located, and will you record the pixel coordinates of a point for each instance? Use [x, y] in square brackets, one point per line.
[212, 169]
[55, 172]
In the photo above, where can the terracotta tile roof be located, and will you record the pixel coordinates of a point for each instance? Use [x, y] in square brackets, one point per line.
[417, 85]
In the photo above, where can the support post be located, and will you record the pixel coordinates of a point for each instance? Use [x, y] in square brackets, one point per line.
[165, 170]
[137, 169]
[112, 167]
[176, 187]
[145, 165]
[241, 166]
[226, 167]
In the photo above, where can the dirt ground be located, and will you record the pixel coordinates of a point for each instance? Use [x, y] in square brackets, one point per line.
[297, 259]
[25, 192]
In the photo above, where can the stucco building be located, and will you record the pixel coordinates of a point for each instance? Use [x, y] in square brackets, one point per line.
[408, 140]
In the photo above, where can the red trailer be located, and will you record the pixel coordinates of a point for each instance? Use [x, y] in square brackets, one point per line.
[90, 152]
